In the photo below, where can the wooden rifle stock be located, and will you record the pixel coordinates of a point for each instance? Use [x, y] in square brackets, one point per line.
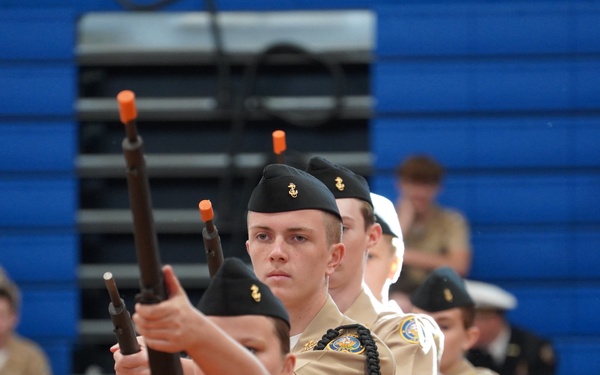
[152, 286]
[123, 326]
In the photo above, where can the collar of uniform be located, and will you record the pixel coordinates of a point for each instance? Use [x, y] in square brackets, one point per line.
[328, 317]
[365, 309]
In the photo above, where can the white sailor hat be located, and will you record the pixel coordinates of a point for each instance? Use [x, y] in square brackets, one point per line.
[386, 215]
[489, 296]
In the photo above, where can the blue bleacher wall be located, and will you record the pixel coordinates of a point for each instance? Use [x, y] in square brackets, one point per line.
[38, 144]
[507, 96]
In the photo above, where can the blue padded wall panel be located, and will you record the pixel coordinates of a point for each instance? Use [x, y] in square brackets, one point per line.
[514, 254]
[37, 90]
[587, 256]
[40, 146]
[37, 34]
[515, 199]
[557, 309]
[405, 30]
[577, 355]
[59, 353]
[34, 258]
[50, 201]
[194, 5]
[482, 85]
[521, 254]
[49, 312]
[507, 142]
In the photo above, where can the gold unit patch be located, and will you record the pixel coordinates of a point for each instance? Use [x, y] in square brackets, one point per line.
[409, 330]
[346, 343]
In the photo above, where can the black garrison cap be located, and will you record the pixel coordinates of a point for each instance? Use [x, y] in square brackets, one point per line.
[284, 188]
[235, 290]
[442, 290]
[342, 182]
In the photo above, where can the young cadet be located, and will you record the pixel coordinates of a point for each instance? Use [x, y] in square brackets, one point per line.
[242, 325]
[410, 337]
[384, 261]
[443, 296]
[294, 242]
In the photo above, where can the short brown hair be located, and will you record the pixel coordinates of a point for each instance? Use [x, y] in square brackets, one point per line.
[420, 169]
[468, 314]
[368, 214]
[282, 330]
[333, 228]
[11, 293]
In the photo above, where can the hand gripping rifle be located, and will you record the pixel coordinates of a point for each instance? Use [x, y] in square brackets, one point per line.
[152, 286]
[210, 236]
[121, 318]
[279, 146]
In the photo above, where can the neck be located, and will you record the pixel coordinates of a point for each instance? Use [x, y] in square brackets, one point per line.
[384, 295]
[345, 296]
[303, 313]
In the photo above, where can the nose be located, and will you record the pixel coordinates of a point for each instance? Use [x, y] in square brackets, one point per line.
[278, 252]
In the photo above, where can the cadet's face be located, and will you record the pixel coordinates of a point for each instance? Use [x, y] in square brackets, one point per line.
[380, 263]
[356, 240]
[456, 338]
[289, 253]
[7, 321]
[420, 195]
[257, 334]
[490, 324]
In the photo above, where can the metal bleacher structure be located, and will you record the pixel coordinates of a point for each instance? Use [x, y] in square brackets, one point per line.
[505, 94]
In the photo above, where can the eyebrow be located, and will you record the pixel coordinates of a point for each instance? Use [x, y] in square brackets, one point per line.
[287, 230]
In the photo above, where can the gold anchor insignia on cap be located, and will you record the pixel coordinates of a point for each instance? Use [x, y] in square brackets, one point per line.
[448, 295]
[293, 192]
[339, 183]
[309, 346]
[255, 293]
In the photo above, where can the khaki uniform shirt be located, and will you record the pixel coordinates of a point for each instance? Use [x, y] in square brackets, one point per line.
[443, 229]
[466, 368]
[414, 339]
[319, 362]
[25, 357]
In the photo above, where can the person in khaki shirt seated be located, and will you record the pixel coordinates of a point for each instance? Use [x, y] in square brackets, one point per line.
[18, 355]
[443, 295]
[411, 337]
[434, 236]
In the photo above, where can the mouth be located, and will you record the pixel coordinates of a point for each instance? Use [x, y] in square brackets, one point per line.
[277, 275]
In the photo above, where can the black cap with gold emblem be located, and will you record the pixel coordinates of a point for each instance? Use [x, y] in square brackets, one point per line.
[235, 291]
[285, 188]
[341, 181]
[443, 289]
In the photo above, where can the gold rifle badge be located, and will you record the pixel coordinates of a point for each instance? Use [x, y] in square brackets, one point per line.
[255, 293]
[309, 346]
[293, 192]
[339, 183]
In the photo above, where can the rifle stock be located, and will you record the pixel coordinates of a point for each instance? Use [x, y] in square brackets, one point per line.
[211, 238]
[152, 286]
[123, 326]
